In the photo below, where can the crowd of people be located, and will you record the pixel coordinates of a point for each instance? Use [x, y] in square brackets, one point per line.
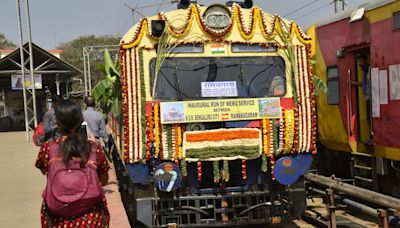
[75, 165]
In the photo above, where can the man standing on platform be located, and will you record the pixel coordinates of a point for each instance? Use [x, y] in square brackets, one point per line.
[95, 121]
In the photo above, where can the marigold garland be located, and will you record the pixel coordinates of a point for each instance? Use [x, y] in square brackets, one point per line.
[142, 103]
[302, 108]
[266, 132]
[135, 106]
[212, 153]
[282, 129]
[222, 134]
[184, 168]
[244, 170]
[170, 150]
[296, 131]
[150, 137]
[289, 131]
[122, 61]
[275, 135]
[272, 162]
[194, 13]
[264, 165]
[267, 139]
[157, 126]
[313, 101]
[177, 142]
[217, 176]
[307, 97]
[199, 171]
[226, 171]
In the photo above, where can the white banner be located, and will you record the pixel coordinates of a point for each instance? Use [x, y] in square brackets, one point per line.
[394, 81]
[375, 92]
[383, 87]
[16, 82]
[219, 89]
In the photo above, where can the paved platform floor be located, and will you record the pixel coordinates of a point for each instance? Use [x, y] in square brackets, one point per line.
[21, 185]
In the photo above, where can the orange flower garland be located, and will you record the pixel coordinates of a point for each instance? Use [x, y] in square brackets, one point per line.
[150, 136]
[178, 142]
[199, 171]
[313, 147]
[219, 136]
[244, 170]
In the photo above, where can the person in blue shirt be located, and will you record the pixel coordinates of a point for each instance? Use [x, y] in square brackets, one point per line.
[366, 88]
[95, 121]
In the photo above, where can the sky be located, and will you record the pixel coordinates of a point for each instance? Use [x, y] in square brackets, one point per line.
[56, 21]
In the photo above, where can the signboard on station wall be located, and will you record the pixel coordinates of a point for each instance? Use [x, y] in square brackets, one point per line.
[17, 80]
[220, 110]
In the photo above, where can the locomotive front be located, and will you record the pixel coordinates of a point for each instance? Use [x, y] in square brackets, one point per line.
[218, 117]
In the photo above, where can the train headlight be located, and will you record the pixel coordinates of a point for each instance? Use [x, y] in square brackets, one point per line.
[217, 16]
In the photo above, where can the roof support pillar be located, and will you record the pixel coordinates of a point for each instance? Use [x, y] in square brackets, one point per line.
[31, 67]
[22, 69]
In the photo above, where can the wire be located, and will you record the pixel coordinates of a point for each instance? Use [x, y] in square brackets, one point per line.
[137, 3]
[154, 5]
[126, 24]
[311, 12]
[159, 7]
[296, 10]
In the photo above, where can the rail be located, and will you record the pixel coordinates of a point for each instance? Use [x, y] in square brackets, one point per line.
[383, 205]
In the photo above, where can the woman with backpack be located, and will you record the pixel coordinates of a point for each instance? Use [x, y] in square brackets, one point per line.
[76, 168]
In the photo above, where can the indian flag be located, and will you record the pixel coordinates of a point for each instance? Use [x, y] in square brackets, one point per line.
[217, 48]
[222, 144]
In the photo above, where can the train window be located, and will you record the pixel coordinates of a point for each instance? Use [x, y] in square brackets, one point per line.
[396, 20]
[181, 78]
[333, 85]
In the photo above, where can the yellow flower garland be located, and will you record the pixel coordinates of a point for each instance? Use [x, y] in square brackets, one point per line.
[257, 18]
[157, 129]
[289, 133]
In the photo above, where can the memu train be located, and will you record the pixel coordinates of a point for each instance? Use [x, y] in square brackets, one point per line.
[218, 122]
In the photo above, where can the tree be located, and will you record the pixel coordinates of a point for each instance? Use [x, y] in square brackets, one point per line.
[73, 53]
[5, 43]
[107, 92]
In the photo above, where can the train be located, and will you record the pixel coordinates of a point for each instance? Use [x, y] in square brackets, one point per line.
[218, 119]
[356, 53]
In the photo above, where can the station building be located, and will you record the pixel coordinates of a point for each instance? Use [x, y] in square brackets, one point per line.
[53, 76]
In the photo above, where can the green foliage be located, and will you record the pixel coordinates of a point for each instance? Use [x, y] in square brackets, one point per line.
[107, 92]
[5, 43]
[319, 86]
[290, 53]
[164, 48]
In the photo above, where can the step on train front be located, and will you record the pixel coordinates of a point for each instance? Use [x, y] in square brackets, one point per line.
[218, 120]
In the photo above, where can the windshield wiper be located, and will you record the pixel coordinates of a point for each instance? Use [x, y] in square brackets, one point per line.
[254, 77]
[178, 91]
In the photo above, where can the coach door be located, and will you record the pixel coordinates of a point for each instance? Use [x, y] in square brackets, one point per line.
[358, 124]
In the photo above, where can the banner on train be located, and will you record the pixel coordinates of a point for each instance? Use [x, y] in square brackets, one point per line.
[220, 110]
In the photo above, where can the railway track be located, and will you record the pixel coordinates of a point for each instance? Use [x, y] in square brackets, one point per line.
[333, 203]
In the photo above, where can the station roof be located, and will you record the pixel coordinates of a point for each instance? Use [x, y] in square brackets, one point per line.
[45, 63]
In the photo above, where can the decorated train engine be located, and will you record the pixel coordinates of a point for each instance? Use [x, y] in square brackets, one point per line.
[357, 54]
[218, 121]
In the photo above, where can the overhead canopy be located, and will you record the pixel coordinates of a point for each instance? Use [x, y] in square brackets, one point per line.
[45, 63]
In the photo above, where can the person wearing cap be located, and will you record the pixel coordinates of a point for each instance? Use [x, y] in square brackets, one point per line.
[95, 121]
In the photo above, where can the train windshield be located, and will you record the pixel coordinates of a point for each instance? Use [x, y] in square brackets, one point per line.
[184, 78]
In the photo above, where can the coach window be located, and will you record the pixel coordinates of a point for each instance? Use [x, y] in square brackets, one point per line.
[333, 85]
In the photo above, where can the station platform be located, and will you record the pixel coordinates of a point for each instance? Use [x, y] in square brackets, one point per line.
[22, 184]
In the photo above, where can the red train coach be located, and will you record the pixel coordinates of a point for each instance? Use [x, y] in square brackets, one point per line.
[357, 53]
